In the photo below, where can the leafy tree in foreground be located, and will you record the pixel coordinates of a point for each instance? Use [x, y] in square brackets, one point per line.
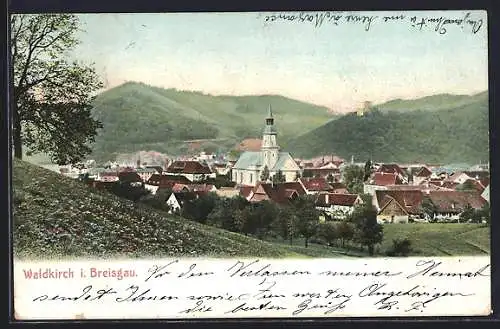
[368, 231]
[51, 110]
[279, 177]
[307, 217]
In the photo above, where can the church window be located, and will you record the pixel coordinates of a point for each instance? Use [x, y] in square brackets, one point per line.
[251, 178]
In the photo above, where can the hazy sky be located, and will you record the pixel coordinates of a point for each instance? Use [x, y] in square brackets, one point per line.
[338, 66]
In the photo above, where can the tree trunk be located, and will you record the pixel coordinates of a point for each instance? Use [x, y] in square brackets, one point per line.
[291, 240]
[16, 133]
[370, 249]
[306, 240]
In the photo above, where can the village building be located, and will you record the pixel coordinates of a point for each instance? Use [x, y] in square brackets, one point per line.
[176, 200]
[106, 176]
[486, 193]
[380, 180]
[228, 192]
[281, 193]
[421, 175]
[398, 206]
[450, 204]
[157, 181]
[146, 173]
[315, 185]
[250, 165]
[337, 206]
[195, 171]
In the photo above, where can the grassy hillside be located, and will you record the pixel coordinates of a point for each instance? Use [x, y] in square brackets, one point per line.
[140, 117]
[56, 216]
[457, 134]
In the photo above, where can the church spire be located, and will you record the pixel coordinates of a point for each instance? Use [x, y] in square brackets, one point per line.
[269, 112]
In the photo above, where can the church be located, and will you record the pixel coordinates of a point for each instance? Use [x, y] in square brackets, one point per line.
[250, 165]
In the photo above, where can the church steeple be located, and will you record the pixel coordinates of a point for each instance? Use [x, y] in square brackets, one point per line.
[270, 148]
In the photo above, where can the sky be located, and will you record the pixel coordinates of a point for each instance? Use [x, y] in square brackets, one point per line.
[338, 66]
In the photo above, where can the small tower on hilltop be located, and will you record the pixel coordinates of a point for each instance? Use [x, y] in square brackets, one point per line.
[367, 105]
[269, 148]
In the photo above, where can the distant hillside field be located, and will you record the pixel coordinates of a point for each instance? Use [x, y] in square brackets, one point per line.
[406, 131]
[55, 216]
[140, 117]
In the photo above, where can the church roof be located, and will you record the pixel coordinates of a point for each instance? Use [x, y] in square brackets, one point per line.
[251, 159]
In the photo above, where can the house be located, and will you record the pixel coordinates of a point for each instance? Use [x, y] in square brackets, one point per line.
[228, 192]
[398, 206]
[176, 200]
[146, 173]
[339, 188]
[130, 177]
[381, 179]
[315, 185]
[281, 193]
[107, 176]
[458, 177]
[221, 168]
[486, 193]
[179, 187]
[250, 165]
[336, 205]
[450, 204]
[421, 175]
[392, 168]
[333, 174]
[193, 170]
[157, 181]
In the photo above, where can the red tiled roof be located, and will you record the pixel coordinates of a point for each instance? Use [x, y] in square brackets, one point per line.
[188, 167]
[455, 201]
[316, 184]
[167, 180]
[279, 193]
[383, 179]
[423, 172]
[477, 185]
[327, 199]
[129, 176]
[482, 174]
[245, 190]
[410, 200]
[390, 168]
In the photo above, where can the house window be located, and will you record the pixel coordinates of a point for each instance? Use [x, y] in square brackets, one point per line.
[241, 178]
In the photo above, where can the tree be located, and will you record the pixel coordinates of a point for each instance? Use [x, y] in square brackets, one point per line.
[368, 231]
[285, 224]
[279, 177]
[307, 217]
[353, 177]
[368, 170]
[264, 175]
[345, 232]
[328, 231]
[51, 109]
[199, 209]
[428, 207]
[400, 247]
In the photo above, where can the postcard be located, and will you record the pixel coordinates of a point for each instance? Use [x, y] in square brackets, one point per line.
[250, 165]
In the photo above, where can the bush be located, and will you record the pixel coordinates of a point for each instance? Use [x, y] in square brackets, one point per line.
[400, 247]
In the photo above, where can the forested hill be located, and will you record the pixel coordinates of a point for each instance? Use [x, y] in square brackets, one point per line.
[453, 134]
[137, 117]
[433, 102]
